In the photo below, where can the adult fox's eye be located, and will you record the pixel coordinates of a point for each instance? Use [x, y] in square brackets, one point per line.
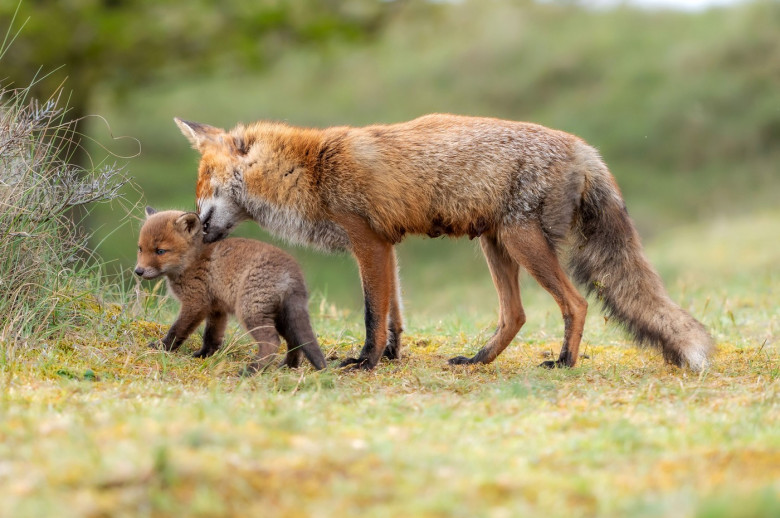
[160, 251]
[139, 248]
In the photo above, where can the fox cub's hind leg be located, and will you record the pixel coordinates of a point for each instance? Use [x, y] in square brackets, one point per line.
[504, 271]
[528, 246]
[263, 331]
[212, 335]
[295, 326]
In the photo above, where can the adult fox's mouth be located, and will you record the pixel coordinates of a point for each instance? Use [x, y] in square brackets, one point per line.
[210, 232]
[212, 235]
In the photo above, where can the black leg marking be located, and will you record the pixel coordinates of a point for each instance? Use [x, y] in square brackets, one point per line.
[393, 349]
[363, 361]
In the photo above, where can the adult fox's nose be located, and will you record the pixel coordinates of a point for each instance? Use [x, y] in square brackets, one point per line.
[139, 271]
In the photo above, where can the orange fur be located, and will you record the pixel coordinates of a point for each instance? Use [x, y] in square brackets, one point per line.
[524, 189]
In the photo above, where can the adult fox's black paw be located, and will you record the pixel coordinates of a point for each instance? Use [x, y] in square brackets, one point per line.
[557, 364]
[460, 360]
[392, 351]
[356, 364]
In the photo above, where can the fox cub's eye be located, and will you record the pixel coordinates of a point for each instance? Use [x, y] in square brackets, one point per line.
[139, 249]
[160, 251]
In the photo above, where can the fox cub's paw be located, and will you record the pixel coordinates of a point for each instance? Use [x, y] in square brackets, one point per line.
[204, 352]
[249, 370]
[255, 367]
[156, 344]
[292, 360]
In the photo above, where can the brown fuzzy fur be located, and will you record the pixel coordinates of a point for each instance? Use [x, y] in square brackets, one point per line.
[523, 189]
[262, 285]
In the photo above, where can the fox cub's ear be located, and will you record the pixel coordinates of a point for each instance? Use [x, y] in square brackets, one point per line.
[150, 211]
[188, 223]
[199, 134]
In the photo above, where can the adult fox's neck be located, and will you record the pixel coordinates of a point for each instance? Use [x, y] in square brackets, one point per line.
[290, 179]
[290, 165]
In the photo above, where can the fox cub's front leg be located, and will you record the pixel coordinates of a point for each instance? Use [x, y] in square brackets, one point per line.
[212, 335]
[185, 324]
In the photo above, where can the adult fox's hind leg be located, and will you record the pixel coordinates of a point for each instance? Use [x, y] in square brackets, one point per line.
[528, 246]
[504, 271]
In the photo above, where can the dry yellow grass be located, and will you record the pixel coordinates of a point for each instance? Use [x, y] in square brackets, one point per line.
[161, 434]
[95, 424]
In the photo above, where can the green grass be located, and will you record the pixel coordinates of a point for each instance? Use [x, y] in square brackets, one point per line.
[682, 106]
[95, 424]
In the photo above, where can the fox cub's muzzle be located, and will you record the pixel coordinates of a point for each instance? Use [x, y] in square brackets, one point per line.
[147, 273]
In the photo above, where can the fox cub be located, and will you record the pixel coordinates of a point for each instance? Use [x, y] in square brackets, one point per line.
[257, 282]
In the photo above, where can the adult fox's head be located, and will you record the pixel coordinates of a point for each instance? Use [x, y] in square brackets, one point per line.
[221, 164]
[270, 172]
[168, 243]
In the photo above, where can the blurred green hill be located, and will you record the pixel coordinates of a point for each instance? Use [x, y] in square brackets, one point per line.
[685, 108]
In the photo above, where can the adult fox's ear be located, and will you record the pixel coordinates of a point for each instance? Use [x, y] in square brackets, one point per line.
[199, 134]
[188, 223]
[150, 211]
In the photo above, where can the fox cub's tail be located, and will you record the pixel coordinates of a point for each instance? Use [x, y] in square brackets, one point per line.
[607, 258]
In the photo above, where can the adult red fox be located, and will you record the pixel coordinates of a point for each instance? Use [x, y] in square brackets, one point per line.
[260, 284]
[523, 189]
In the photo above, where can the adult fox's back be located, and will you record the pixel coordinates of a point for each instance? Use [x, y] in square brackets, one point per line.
[446, 174]
[522, 188]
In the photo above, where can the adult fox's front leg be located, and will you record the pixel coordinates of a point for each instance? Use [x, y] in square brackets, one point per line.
[395, 320]
[374, 256]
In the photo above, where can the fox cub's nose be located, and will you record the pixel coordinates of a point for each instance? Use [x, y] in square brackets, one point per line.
[139, 271]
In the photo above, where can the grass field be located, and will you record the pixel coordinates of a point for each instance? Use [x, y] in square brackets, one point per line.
[683, 107]
[95, 424]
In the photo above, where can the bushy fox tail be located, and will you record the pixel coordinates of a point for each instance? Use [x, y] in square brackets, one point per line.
[607, 258]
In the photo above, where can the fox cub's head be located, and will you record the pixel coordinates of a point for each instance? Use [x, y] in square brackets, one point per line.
[223, 157]
[169, 242]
